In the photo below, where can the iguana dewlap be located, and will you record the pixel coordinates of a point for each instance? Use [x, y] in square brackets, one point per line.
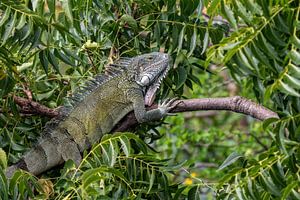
[130, 84]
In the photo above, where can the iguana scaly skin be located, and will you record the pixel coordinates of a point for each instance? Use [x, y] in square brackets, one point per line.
[129, 85]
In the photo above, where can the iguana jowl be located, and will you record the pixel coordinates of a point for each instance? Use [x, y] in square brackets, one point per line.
[131, 83]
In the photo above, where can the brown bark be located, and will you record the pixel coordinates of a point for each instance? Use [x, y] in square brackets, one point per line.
[31, 107]
[235, 104]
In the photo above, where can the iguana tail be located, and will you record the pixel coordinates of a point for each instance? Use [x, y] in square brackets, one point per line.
[52, 150]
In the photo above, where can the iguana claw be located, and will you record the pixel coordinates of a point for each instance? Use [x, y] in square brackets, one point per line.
[167, 105]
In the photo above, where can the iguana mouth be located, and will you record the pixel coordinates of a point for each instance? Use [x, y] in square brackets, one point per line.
[151, 91]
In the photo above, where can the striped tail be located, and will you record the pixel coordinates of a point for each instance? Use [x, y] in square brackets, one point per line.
[52, 150]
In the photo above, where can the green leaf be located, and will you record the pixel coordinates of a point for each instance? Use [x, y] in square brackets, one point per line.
[67, 6]
[175, 34]
[295, 194]
[295, 83]
[267, 47]
[179, 191]
[295, 41]
[26, 30]
[63, 57]
[230, 160]
[239, 191]
[295, 56]
[205, 41]
[253, 7]
[5, 16]
[182, 75]
[230, 45]
[152, 178]
[251, 186]
[270, 186]
[130, 21]
[280, 137]
[294, 70]
[193, 42]
[181, 38]
[257, 52]
[3, 185]
[113, 152]
[282, 24]
[269, 121]
[52, 59]
[228, 14]
[125, 145]
[244, 60]
[211, 10]
[3, 159]
[194, 193]
[157, 33]
[287, 89]
[36, 38]
[92, 175]
[44, 60]
[45, 95]
[179, 59]
[9, 27]
[71, 53]
[247, 17]
[51, 6]
[274, 37]
[21, 22]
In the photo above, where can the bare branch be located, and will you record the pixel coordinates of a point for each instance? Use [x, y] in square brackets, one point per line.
[235, 104]
[31, 107]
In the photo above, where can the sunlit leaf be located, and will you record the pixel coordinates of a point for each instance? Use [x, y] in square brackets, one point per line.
[296, 41]
[295, 83]
[205, 41]
[5, 16]
[9, 27]
[288, 90]
[21, 22]
[181, 38]
[233, 157]
[227, 12]
[295, 56]
[193, 42]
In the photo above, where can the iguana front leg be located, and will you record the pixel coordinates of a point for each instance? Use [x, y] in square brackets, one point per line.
[140, 112]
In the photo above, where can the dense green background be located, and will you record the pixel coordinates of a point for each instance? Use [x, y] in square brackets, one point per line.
[219, 48]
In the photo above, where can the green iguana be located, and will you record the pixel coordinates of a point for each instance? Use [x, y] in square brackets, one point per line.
[129, 84]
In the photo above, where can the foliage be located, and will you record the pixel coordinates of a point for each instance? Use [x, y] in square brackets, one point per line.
[114, 168]
[51, 46]
[264, 48]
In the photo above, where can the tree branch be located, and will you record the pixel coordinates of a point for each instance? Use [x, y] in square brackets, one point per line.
[31, 107]
[235, 104]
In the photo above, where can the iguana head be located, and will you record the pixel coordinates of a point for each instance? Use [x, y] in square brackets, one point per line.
[150, 70]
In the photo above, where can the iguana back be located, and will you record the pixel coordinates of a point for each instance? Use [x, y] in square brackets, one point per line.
[130, 85]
